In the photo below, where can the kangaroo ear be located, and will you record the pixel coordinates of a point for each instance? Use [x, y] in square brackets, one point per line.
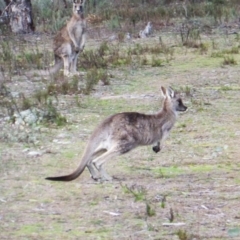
[171, 92]
[164, 91]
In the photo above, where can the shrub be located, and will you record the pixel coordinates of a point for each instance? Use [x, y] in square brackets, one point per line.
[229, 60]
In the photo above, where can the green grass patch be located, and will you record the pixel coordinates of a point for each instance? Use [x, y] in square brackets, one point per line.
[201, 168]
[168, 172]
[196, 62]
[29, 229]
[69, 155]
[173, 171]
[226, 88]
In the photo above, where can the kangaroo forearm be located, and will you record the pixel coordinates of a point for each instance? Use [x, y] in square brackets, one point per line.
[82, 42]
[72, 36]
[75, 43]
[156, 148]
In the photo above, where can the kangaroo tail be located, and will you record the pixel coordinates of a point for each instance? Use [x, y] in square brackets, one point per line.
[57, 66]
[75, 174]
[69, 177]
[50, 71]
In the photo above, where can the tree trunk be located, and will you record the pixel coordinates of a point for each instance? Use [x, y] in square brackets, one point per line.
[19, 13]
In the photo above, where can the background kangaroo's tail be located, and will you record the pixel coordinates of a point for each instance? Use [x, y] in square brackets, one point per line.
[57, 66]
[50, 71]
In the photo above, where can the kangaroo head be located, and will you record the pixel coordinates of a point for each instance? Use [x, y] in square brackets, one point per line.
[78, 6]
[149, 25]
[172, 101]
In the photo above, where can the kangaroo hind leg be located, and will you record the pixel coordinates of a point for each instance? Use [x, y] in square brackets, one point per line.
[95, 174]
[93, 171]
[100, 160]
[66, 64]
[73, 65]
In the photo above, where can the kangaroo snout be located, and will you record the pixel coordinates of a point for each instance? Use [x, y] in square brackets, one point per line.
[183, 108]
[80, 10]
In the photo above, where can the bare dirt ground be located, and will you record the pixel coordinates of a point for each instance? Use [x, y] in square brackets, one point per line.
[190, 190]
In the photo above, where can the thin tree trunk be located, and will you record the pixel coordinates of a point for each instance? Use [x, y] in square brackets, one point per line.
[20, 17]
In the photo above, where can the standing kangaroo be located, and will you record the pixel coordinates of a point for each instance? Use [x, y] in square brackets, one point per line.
[148, 30]
[70, 41]
[122, 132]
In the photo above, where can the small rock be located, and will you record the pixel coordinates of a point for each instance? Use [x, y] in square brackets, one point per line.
[34, 154]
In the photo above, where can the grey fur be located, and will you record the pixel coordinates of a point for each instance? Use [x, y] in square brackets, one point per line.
[122, 132]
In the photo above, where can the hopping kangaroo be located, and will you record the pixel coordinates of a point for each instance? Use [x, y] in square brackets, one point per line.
[122, 132]
[70, 41]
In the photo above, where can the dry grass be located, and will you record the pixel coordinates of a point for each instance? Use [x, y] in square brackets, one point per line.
[194, 181]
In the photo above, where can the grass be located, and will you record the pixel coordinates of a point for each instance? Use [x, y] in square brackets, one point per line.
[194, 179]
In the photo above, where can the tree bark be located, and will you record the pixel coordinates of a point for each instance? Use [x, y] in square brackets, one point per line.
[19, 13]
